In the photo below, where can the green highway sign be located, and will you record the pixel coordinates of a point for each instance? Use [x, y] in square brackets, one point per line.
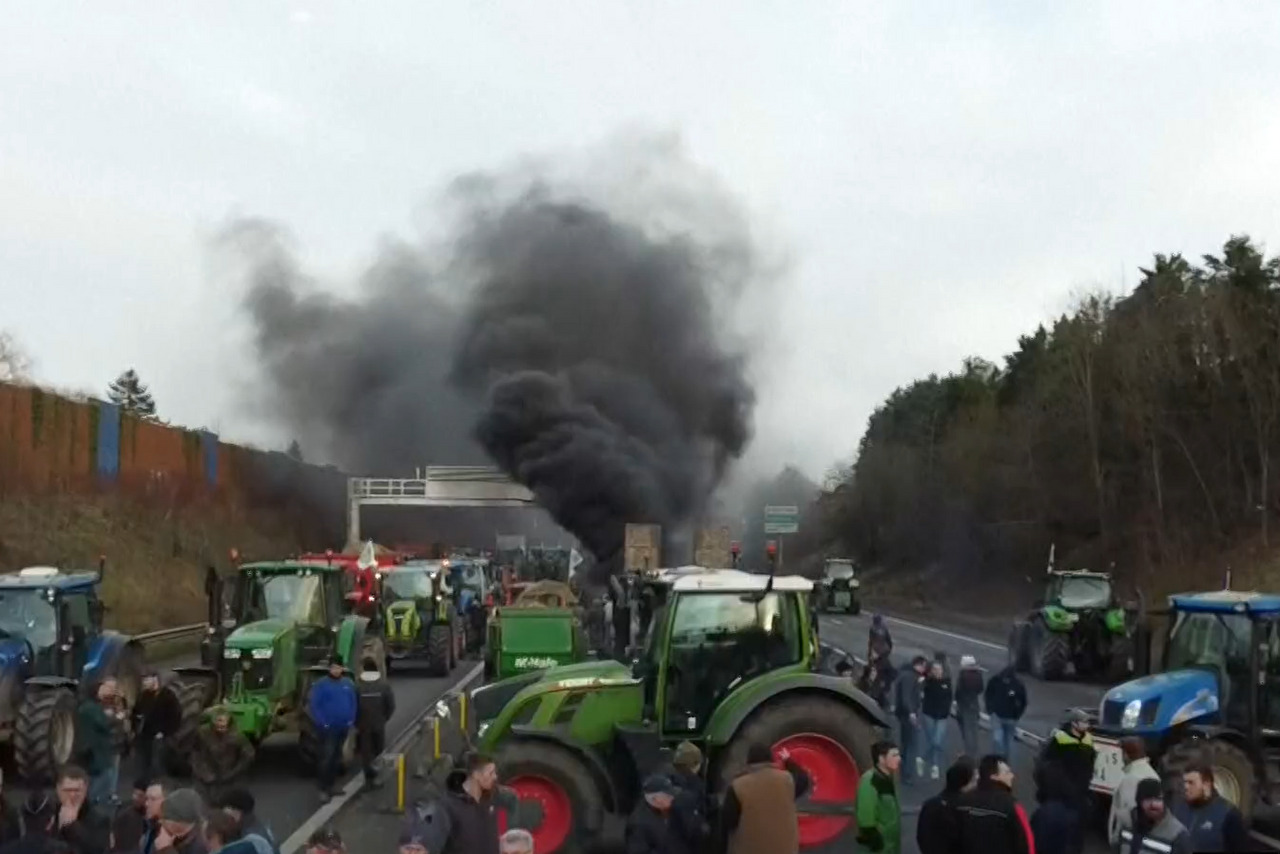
[781, 519]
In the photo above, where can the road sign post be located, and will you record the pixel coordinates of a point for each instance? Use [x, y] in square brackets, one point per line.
[780, 519]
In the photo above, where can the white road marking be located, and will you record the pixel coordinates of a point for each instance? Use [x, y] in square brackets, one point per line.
[944, 633]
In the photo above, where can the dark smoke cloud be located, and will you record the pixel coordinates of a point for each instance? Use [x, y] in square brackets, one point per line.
[583, 343]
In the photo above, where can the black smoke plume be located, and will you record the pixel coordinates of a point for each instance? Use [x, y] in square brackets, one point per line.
[581, 345]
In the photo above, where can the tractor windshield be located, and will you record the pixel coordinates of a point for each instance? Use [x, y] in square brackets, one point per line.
[840, 570]
[293, 598]
[28, 614]
[1084, 592]
[408, 585]
[1218, 642]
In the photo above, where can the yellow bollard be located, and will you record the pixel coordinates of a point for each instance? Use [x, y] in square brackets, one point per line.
[462, 713]
[435, 735]
[400, 782]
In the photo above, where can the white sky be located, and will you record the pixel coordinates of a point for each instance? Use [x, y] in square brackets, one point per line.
[943, 174]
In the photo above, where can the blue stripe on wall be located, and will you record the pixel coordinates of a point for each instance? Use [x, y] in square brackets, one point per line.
[108, 440]
[209, 447]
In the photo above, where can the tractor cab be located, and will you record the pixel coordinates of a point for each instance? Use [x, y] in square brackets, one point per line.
[47, 618]
[1216, 694]
[421, 620]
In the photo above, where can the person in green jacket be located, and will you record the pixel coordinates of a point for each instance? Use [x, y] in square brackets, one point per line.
[96, 739]
[879, 813]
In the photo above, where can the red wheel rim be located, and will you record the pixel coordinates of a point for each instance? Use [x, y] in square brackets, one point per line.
[557, 812]
[833, 776]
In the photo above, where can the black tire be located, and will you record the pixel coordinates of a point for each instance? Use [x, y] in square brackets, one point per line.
[40, 743]
[1122, 662]
[1050, 652]
[788, 716]
[1227, 761]
[193, 698]
[517, 757]
[1019, 640]
[440, 650]
[855, 606]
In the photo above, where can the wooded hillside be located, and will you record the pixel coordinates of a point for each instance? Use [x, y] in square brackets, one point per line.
[1143, 431]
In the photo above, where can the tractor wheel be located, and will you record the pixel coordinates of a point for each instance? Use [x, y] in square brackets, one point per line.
[44, 734]
[193, 699]
[855, 606]
[459, 640]
[829, 739]
[1233, 774]
[1121, 665]
[1050, 652]
[439, 649]
[560, 784]
[1017, 638]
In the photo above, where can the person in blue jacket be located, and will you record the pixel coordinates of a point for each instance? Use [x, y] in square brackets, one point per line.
[332, 707]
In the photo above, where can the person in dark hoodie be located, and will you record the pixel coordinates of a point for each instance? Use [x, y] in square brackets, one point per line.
[689, 811]
[40, 817]
[157, 715]
[1056, 823]
[1153, 829]
[240, 803]
[80, 824]
[876, 679]
[1006, 699]
[131, 820]
[376, 706]
[878, 638]
[938, 825]
[649, 827]
[935, 704]
[1215, 824]
[907, 694]
[991, 819]
[469, 817]
[969, 689]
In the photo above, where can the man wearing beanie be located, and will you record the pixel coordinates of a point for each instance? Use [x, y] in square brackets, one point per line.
[689, 810]
[1154, 829]
[180, 818]
[649, 828]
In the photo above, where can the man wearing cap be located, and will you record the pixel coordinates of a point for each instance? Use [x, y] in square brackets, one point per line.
[1071, 748]
[689, 811]
[181, 815]
[1153, 829]
[649, 828]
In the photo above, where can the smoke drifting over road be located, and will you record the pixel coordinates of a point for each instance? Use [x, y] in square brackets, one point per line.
[583, 343]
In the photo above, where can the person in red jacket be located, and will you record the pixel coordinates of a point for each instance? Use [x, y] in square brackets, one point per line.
[991, 819]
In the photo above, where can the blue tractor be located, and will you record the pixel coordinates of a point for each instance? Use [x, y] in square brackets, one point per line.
[53, 651]
[1214, 700]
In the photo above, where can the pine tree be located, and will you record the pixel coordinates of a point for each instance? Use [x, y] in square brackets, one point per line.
[129, 393]
[295, 451]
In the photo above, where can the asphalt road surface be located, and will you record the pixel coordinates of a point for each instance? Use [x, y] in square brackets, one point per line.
[286, 793]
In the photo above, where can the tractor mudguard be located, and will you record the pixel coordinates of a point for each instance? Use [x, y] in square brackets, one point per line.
[350, 642]
[1056, 619]
[1115, 620]
[599, 771]
[102, 653]
[51, 682]
[730, 714]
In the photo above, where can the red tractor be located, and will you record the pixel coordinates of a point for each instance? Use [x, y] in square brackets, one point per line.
[364, 570]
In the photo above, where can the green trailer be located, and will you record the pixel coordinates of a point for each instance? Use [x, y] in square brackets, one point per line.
[729, 658]
[532, 638]
[421, 621]
[286, 621]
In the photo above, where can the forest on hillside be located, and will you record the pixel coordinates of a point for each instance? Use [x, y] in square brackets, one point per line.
[1141, 431]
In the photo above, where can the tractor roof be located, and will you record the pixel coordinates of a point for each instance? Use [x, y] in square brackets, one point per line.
[292, 567]
[1081, 573]
[41, 577]
[1227, 602]
[693, 578]
[412, 566]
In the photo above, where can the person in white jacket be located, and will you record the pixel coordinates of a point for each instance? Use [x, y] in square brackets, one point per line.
[1137, 767]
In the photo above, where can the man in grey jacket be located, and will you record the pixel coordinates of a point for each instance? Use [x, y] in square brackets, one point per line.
[907, 692]
[1137, 767]
[1154, 830]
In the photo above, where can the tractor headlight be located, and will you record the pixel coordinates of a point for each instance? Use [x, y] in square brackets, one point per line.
[231, 652]
[1132, 710]
[264, 652]
[480, 730]
[855, 583]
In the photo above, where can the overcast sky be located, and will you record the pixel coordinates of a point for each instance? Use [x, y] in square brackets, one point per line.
[943, 175]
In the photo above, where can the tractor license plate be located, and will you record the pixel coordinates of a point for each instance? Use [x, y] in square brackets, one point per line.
[1108, 766]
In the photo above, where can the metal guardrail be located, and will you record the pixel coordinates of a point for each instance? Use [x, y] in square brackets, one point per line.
[175, 633]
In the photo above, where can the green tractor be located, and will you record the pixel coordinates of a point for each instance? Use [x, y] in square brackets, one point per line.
[421, 621]
[542, 628]
[838, 590]
[1078, 624]
[286, 621]
[728, 659]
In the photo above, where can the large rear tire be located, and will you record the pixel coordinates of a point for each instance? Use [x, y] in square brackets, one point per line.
[193, 698]
[1233, 773]
[826, 737]
[440, 650]
[571, 805]
[1122, 662]
[1050, 653]
[44, 733]
[1018, 647]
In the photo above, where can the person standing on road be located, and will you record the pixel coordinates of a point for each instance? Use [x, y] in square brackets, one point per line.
[151, 830]
[181, 816]
[1056, 824]
[223, 834]
[1153, 829]
[470, 807]
[130, 820]
[326, 840]
[1213, 821]
[879, 812]
[220, 756]
[991, 819]
[689, 812]
[649, 827]
[876, 678]
[1137, 767]
[240, 803]
[907, 695]
[759, 813]
[156, 718]
[332, 707]
[1006, 699]
[1070, 747]
[39, 817]
[935, 704]
[80, 823]
[377, 705]
[938, 827]
[97, 745]
[879, 640]
[968, 702]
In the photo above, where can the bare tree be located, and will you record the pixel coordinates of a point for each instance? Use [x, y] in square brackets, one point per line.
[15, 365]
